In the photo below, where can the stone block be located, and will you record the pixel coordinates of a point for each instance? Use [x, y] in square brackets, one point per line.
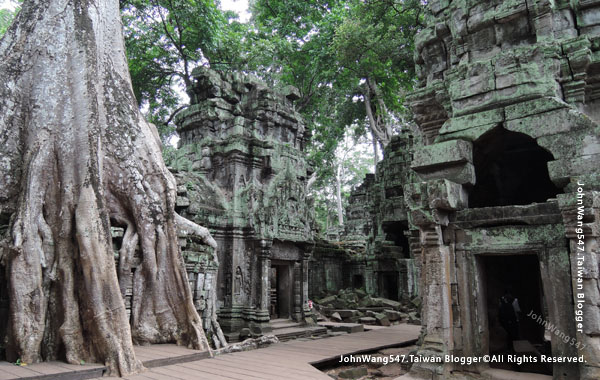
[393, 315]
[591, 320]
[561, 171]
[442, 154]
[291, 93]
[470, 134]
[471, 79]
[353, 373]
[563, 120]
[533, 107]
[388, 303]
[368, 320]
[382, 319]
[349, 328]
[479, 119]
[463, 173]
[346, 313]
[446, 195]
[326, 300]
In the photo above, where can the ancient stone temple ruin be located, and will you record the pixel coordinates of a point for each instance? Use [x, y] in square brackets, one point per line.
[247, 184]
[377, 249]
[508, 194]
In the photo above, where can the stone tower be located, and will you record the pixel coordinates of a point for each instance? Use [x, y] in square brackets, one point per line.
[509, 194]
[247, 184]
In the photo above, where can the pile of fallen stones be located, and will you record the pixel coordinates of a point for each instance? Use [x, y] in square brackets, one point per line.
[356, 306]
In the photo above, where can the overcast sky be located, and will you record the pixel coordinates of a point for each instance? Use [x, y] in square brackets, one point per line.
[238, 6]
[6, 4]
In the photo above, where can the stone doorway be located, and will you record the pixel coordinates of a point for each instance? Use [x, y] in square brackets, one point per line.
[281, 290]
[519, 276]
[388, 285]
[358, 281]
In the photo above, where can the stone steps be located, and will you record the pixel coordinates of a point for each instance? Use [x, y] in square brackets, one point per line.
[290, 333]
[277, 324]
[345, 327]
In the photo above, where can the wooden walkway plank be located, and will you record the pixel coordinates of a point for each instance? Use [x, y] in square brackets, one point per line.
[256, 367]
[274, 362]
[250, 372]
[287, 360]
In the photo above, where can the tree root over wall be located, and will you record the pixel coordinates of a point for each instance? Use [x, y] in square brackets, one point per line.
[75, 156]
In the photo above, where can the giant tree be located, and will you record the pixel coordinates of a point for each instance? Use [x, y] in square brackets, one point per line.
[351, 59]
[76, 156]
[374, 44]
[166, 40]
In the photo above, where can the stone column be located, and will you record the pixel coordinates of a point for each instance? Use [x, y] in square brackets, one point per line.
[306, 312]
[430, 204]
[262, 315]
[265, 267]
[297, 278]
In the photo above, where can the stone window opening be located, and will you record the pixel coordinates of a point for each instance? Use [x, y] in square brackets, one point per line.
[510, 169]
[396, 232]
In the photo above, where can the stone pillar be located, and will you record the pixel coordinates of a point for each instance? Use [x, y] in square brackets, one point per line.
[261, 316]
[297, 305]
[306, 311]
[265, 267]
[430, 204]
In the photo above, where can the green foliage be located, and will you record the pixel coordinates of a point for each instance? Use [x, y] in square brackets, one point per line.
[328, 49]
[352, 162]
[177, 159]
[8, 15]
[339, 54]
[165, 40]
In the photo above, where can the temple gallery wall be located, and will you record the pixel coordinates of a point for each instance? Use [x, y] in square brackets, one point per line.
[483, 200]
[507, 105]
[494, 197]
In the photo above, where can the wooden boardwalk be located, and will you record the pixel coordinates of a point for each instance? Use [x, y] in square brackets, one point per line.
[288, 360]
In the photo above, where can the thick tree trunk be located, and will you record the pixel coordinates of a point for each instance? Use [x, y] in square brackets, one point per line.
[76, 155]
[338, 194]
[375, 150]
[380, 127]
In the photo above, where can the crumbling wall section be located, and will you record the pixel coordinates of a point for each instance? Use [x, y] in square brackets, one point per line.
[522, 73]
[379, 250]
[245, 179]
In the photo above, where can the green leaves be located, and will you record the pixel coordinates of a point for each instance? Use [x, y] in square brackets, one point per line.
[349, 59]
[337, 53]
[165, 40]
[7, 16]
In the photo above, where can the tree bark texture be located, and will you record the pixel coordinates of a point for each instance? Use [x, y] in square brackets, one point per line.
[75, 156]
[378, 121]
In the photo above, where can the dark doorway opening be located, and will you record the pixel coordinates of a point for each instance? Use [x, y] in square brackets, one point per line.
[396, 232]
[506, 278]
[357, 281]
[281, 291]
[511, 169]
[388, 285]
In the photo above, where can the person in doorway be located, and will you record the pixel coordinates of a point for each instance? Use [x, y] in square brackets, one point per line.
[509, 316]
